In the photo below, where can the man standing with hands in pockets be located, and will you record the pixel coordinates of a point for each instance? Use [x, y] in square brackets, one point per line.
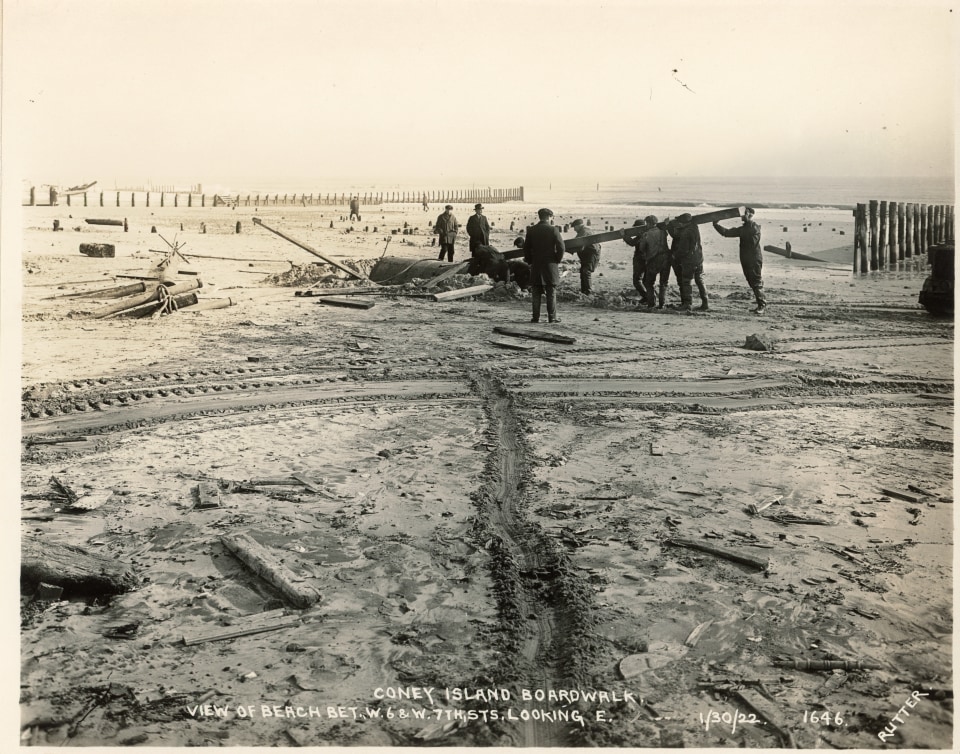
[543, 249]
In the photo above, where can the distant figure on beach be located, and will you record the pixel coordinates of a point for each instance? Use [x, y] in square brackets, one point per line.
[478, 228]
[355, 208]
[687, 260]
[751, 256]
[446, 227]
[639, 264]
[656, 259]
[426, 206]
[589, 256]
[543, 249]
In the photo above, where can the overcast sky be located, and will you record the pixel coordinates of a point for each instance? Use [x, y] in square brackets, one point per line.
[241, 91]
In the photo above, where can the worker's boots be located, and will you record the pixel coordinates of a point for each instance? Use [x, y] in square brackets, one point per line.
[761, 301]
[704, 302]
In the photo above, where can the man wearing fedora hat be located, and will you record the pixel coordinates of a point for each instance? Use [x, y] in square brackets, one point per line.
[478, 229]
[751, 257]
[446, 227]
[543, 249]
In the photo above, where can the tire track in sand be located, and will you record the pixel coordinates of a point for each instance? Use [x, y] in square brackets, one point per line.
[527, 566]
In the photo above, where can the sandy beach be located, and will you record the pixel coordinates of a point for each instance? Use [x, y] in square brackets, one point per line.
[499, 538]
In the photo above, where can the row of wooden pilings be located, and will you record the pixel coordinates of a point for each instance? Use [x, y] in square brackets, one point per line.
[898, 231]
[465, 196]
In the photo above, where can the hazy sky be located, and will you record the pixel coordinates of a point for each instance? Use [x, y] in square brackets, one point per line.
[498, 93]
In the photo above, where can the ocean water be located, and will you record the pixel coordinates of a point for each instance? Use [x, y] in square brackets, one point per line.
[758, 192]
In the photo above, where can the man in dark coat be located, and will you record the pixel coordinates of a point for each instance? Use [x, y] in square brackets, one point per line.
[639, 264]
[589, 256]
[478, 228]
[652, 247]
[543, 249]
[355, 208]
[446, 227]
[687, 260]
[751, 257]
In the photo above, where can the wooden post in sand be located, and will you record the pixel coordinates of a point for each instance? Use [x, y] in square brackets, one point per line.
[873, 234]
[148, 198]
[938, 224]
[133, 199]
[189, 199]
[860, 237]
[901, 214]
[161, 198]
[929, 225]
[892, 245]
[908, 231]
[176, 199]
[882, 238]
[950, 221]
[922, 230]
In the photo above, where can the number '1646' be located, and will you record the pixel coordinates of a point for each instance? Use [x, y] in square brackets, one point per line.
[825, 718]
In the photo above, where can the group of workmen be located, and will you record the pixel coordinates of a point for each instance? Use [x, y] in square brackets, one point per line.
[653, 258]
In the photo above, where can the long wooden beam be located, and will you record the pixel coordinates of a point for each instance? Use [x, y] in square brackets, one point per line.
[626, 234]
[295, 242]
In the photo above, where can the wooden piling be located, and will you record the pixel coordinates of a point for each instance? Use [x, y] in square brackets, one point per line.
[873, 234]
[901, 219]
[882, 239]
[190, 200]
[922, 229]
[860, 239]
[133, 200]
[930, 240]
[894, 224]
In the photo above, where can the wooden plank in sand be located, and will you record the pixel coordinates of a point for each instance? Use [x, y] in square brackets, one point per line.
[722, 552]
[457, 269]
[791, 254]
[338, 265]
[513, 345]
[350, 303]
[475, 290]
[525, 332]
[268, 567]
[572, 244]
[97, 221]
[247, 628]
[77, 570]
[208, 495]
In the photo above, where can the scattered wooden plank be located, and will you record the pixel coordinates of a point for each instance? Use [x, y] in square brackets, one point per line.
[64, 488]
[919, 490]
[457, 269]
[344, 301]
[307, 482]
[755, 509]
[721, 552]
[791, 254]
[268, 567]
[56, 440]
[764, 708]
[338, 265]
[50, 592]
[208, 495]
[902, 494]
[656, 450]
[826, 664]
[475, 290]
[236, 631]
[513, 345]
[102, 250]
[77, 570]
[524, 332]
[694, 636]
[99, 221]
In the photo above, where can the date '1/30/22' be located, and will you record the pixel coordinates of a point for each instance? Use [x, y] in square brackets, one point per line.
[733, 718]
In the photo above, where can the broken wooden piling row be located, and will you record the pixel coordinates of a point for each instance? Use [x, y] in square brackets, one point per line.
[894, 231]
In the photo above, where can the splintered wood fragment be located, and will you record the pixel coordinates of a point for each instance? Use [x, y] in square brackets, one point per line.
[757, 509]
[89, 502]
[476, 290]
[764, 708]
[449, 272]
[278, 480]
[349, 303]
[656, 450]
[64, 488]
[78, 571]
[827, 664]
[56, 440]
[208, 495]
[523, 332]
[513, 345]
[237, 630]
[268, 567]
[721, 552]
[694, 637]
[307, 482]
[902, 494]
[919, 490]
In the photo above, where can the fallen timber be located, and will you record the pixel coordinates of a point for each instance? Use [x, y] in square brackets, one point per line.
[265, 565]
[572, 244]
[148, 297]
[722, 552]
[77, 570]
[99, 221]
[285, 237]
[524, 332]
[791, 254]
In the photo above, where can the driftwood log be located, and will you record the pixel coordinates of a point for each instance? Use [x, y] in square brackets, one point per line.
[78, 571]
[98, 250]
[268, 567]
[722, 552]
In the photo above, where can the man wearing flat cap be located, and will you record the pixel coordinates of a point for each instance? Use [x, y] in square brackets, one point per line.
[446, 227]
[543, 249]
[478, 229]
[751, 257]
[656, 259]
[687, 254]
[589, 256]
